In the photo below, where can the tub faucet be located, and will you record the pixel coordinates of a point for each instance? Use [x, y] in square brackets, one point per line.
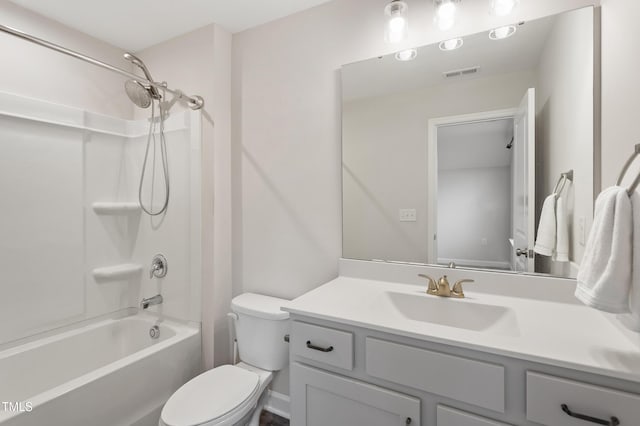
[155, 300]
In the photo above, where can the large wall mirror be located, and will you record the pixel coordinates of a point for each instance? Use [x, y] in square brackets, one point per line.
[448, 158]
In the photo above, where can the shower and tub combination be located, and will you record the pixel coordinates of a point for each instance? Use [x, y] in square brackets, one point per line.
[88, 195]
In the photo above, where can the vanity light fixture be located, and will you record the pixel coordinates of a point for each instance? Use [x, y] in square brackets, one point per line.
[407, 55]
[396, 28]
[453, 44]
[445, 15]
[503, 7]
[502, 32]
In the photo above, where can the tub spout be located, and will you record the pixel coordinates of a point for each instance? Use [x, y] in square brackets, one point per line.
[155, 300]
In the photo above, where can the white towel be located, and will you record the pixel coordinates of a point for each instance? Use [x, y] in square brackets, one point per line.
[604, 278]
[546, 238]
[632, 320]
[561, 252]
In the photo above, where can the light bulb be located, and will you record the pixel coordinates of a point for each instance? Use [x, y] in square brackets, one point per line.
[445, 16]
[502, 32]
[407, 55]
[503, 7]
[397, 26]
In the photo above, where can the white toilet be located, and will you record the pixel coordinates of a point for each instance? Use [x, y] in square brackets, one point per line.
[234, 394]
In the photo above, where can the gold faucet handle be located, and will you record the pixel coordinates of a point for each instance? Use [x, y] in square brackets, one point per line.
[457, 288]
[433, 287]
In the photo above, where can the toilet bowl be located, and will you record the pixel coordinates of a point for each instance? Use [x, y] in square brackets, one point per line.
[233, 395]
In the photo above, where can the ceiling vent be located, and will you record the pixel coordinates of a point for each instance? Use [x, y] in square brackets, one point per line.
[461, 73]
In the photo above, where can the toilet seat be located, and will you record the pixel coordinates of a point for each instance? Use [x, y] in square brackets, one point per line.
[217, 397]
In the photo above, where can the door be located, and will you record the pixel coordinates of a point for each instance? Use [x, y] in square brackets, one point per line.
[523, 179]
[319, 398]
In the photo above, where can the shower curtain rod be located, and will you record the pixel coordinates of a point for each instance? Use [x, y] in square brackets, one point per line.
[195, 102]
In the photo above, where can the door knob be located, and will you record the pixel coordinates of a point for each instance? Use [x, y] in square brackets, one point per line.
[522, 252]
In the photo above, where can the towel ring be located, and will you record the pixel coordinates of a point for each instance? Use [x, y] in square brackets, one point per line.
[625, 168]
[562, 181]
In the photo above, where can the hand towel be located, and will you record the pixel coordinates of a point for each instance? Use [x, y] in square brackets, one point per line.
[561, 252]
[604, 278]
[546, 238]
[632, 320]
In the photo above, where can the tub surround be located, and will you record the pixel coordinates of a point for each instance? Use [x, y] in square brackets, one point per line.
[377, 336]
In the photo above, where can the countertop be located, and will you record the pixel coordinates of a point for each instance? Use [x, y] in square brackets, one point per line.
[557, 333]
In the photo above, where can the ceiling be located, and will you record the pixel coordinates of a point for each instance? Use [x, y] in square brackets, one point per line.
[386, 75]
[137, 24]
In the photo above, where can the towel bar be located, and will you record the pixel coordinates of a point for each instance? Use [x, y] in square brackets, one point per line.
[625, 168]
[564, 177]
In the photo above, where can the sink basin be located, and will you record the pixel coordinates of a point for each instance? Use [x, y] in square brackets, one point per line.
[458, 313]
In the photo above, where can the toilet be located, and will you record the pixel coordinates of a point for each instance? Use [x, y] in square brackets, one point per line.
[233, 395]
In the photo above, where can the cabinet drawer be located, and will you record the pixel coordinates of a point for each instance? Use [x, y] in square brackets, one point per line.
[473, 382]
[452, 417]
[546, 394]
[322, 344]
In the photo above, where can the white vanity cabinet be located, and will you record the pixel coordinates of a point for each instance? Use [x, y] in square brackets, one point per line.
[343, 375]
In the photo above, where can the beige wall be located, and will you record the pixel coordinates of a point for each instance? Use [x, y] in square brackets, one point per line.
[37, 72]
[620, 87]
[199, 63]
[384, 148]
[564, 103]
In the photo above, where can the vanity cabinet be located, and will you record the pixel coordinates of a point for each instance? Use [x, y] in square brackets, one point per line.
[351, 376]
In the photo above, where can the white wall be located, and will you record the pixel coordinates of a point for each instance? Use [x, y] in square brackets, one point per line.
[384, 148]
[37, 72]
[620, 87]
[564, 102]
[474, 194]
[199, 63]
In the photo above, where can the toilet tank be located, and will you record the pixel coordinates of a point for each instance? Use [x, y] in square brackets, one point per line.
[260, 328]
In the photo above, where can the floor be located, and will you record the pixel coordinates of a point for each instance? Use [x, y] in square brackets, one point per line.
[270, 419]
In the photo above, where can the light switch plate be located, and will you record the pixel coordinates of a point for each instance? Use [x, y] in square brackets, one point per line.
[407, 215]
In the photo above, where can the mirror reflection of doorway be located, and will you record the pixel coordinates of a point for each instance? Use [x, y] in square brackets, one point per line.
[475, 216]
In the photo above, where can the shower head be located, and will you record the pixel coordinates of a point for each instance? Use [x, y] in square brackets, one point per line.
[138, 93]
[138, 62]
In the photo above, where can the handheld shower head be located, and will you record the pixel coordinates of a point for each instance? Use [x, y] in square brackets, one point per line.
[138, 62]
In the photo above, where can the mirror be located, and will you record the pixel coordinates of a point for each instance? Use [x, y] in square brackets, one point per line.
[448, 158]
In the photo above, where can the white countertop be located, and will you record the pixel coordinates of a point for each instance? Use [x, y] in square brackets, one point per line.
[556, 333]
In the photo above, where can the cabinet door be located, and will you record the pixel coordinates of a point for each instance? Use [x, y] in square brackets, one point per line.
[319, 398]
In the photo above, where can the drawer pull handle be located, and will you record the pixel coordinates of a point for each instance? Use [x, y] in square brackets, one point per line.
[613, 422]
[318, 348]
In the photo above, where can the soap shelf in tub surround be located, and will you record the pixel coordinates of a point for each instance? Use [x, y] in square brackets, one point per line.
[117, 272]
[115, 208]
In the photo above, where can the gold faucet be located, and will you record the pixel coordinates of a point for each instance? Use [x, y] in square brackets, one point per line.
[442, 289]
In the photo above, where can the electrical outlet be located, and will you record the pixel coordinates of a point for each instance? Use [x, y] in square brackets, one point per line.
[407, 215]
[582, 231]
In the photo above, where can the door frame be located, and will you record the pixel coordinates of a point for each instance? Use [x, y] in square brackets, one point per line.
[432, 165]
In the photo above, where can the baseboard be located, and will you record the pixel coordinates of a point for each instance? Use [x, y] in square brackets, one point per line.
[278, 403]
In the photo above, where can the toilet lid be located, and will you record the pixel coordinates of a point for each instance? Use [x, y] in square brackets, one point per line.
[209, 396]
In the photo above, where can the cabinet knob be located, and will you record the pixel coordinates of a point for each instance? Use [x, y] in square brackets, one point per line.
[408, 421]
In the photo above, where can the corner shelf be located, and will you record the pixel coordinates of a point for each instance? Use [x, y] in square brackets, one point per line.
[116, 272]
[115, 208]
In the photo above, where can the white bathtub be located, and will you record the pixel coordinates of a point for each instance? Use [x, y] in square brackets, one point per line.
[109, 373]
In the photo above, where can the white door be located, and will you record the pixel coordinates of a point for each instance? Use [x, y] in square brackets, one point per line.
[523, 179]
[319, 398]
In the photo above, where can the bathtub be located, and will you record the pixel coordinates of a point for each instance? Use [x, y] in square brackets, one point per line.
[107, 373]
